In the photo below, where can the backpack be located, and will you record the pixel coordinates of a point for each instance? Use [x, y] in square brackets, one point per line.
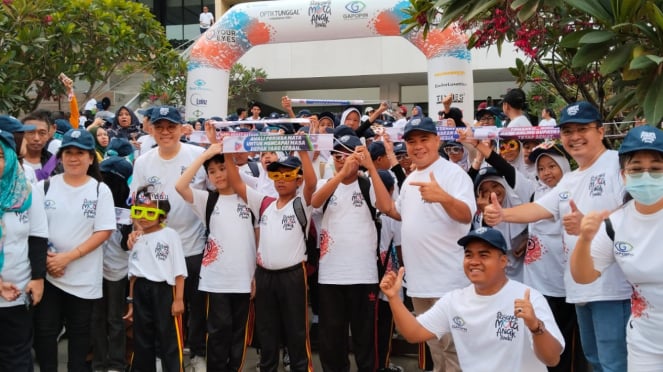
[311, 238]
[365, 187]
[253, 165]
[609, 229]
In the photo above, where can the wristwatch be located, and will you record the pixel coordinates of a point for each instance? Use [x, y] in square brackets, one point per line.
[540, 328]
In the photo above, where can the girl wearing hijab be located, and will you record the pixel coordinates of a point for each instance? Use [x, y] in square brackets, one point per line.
[125, 125]
[23, 243]
[81, 216]
[100, 141]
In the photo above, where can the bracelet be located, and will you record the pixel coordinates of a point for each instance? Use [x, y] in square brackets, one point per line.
[130, 300]
[540, 328]
[80, 253]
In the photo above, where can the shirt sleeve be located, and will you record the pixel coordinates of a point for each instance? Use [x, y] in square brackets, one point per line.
[602, 249]
[105, 214]
[435, 319]
[38, 219]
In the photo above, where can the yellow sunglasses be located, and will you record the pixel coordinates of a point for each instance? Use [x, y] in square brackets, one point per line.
[286, 176]
[509, 145]
[148, 213]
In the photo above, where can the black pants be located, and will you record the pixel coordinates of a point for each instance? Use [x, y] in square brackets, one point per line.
[227, 327]
[281, 307]
[154, 324]
[342, 306]
[108, 330]
[385, 326]
[16, 339]
[573, 358]
[194, 304]
[58, 307]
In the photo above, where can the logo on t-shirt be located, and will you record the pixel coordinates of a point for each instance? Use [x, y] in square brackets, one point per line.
[623, 249]
[243, 211]
[211, 252]
[154, 180]
[161, 251]
[288, 222]
[89, 208]
[597, 185]
[506, 326]
[22, 217]
[458, 323]
[564, 195]
[49, 204]
[357, 199]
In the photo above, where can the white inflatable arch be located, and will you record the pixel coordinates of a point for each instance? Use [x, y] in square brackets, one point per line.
[269, 22]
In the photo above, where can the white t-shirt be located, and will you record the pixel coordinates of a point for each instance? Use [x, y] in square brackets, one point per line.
[519, 121]
[74, 213]
[636, 250]
[348, 242]
[282, 243]
[18, 227]
[229, 259]
[116, 259]
[158, 257]
[432, 257]
[486, 333]
[206, 19]
[54, 146]
[147, 142]
[151, 169]
[596, 188]
[548, 122]
[30, 174]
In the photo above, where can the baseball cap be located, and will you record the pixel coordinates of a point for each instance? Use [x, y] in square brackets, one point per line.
[644, 137]
[386, 178]
[346, 142]
[377, 149]
[169, 113]
[368, 110]
[121, 146]
[11, 124]
[419, 124]
[487, 234]
[304, 113]
[117, 166]
[8, 139]
[486, 174]
[289, 162]
[579, 113]
[62, 126]
[343, 130]
[146, 111]
[399, 148]
[79, 138]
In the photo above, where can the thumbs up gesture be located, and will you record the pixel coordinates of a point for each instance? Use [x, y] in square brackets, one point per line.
[523, 309]
[571, 221]
[493, 214]
[431, 192]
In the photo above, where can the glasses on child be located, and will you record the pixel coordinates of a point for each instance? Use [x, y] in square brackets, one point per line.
[509, 146]
[340, 156]
[453, 150]
[148, 213]
[285, 176]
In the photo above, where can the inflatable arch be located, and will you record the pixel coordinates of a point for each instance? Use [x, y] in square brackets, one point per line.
[268, 22]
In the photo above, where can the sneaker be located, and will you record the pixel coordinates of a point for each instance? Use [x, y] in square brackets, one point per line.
[159, 367]
[198, 364]
[286, 360]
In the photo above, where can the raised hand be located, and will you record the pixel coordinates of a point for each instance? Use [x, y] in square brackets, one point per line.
[391, 282]
[522, 308]
[431, 192]
[590, 224]
[571, 221]
[493, 214]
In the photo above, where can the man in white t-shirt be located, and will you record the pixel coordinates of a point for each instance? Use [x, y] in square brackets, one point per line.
[602, 307]
[206, 20]
[436, 205]
[496, 322]
[161, 167]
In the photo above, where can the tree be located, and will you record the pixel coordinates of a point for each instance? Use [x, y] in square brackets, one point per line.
[86, 39]
[608, 52]
[244, 84]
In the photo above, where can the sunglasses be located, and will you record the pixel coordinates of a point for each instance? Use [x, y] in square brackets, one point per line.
[285, 176]
[148, 213]
[509, 146]
[453, 150]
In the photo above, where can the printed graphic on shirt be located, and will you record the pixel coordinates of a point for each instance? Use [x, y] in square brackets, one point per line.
[288, 222]
[458, 324]
[506, 326]
[563, 196]
[89, 208]
[49, 204]
[211, 252]
[535, 250]
[623, 249]
[22, 217]
[357, 199]
[325, 241]
[154, 181]
[333, 201]
[597, 185]
[161, 251]
[243, 211]
[639, 304]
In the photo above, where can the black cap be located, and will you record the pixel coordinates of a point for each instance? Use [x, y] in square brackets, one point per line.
[289, 162]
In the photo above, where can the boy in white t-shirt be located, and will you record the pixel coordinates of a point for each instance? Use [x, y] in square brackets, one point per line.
[157, 270]
[495, 316]
[280, 277]
[229, 259]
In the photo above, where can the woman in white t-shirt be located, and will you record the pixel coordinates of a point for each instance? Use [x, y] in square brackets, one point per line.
[81, 216]
[514, 106]
[548, 118]
[630, 236]
[23, 242]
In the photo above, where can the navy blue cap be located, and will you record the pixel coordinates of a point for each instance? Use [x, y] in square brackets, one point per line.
[644, 137]
[387, 178]
[8, 139]
[120, 146]
[62, 126]
[487, 234]
[418, 124]
[485, 173]
[346, 142]
[11, 124]
[377, 149]
[579, 113]
[289, 162]
[330, 116]
[79, 138]
[304, 113]
[146, 111]
[169, 113]
[344, 130]
[118, 166]
[399, 148]
[489, 110]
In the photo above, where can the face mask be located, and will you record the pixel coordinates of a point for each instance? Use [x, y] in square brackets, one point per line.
[644, 188]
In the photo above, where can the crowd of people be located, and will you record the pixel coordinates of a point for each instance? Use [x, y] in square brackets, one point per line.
[489, 253]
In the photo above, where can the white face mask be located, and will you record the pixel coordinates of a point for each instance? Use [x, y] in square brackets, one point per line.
[644, 188]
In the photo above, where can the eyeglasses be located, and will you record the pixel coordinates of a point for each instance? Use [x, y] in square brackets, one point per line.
[637, 172]
[165, 128]
[453, 150]
[340, 156]
[581, 130]
[285, 176]
[401, 157]
[509, 146]
[148, 213]
[487, 118]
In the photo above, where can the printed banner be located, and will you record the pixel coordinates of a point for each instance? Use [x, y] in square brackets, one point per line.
[266, 142]
[450, 133]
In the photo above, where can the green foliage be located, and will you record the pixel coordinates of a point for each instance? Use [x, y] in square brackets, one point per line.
[244, 84]
[608, 52]
[86, 39]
